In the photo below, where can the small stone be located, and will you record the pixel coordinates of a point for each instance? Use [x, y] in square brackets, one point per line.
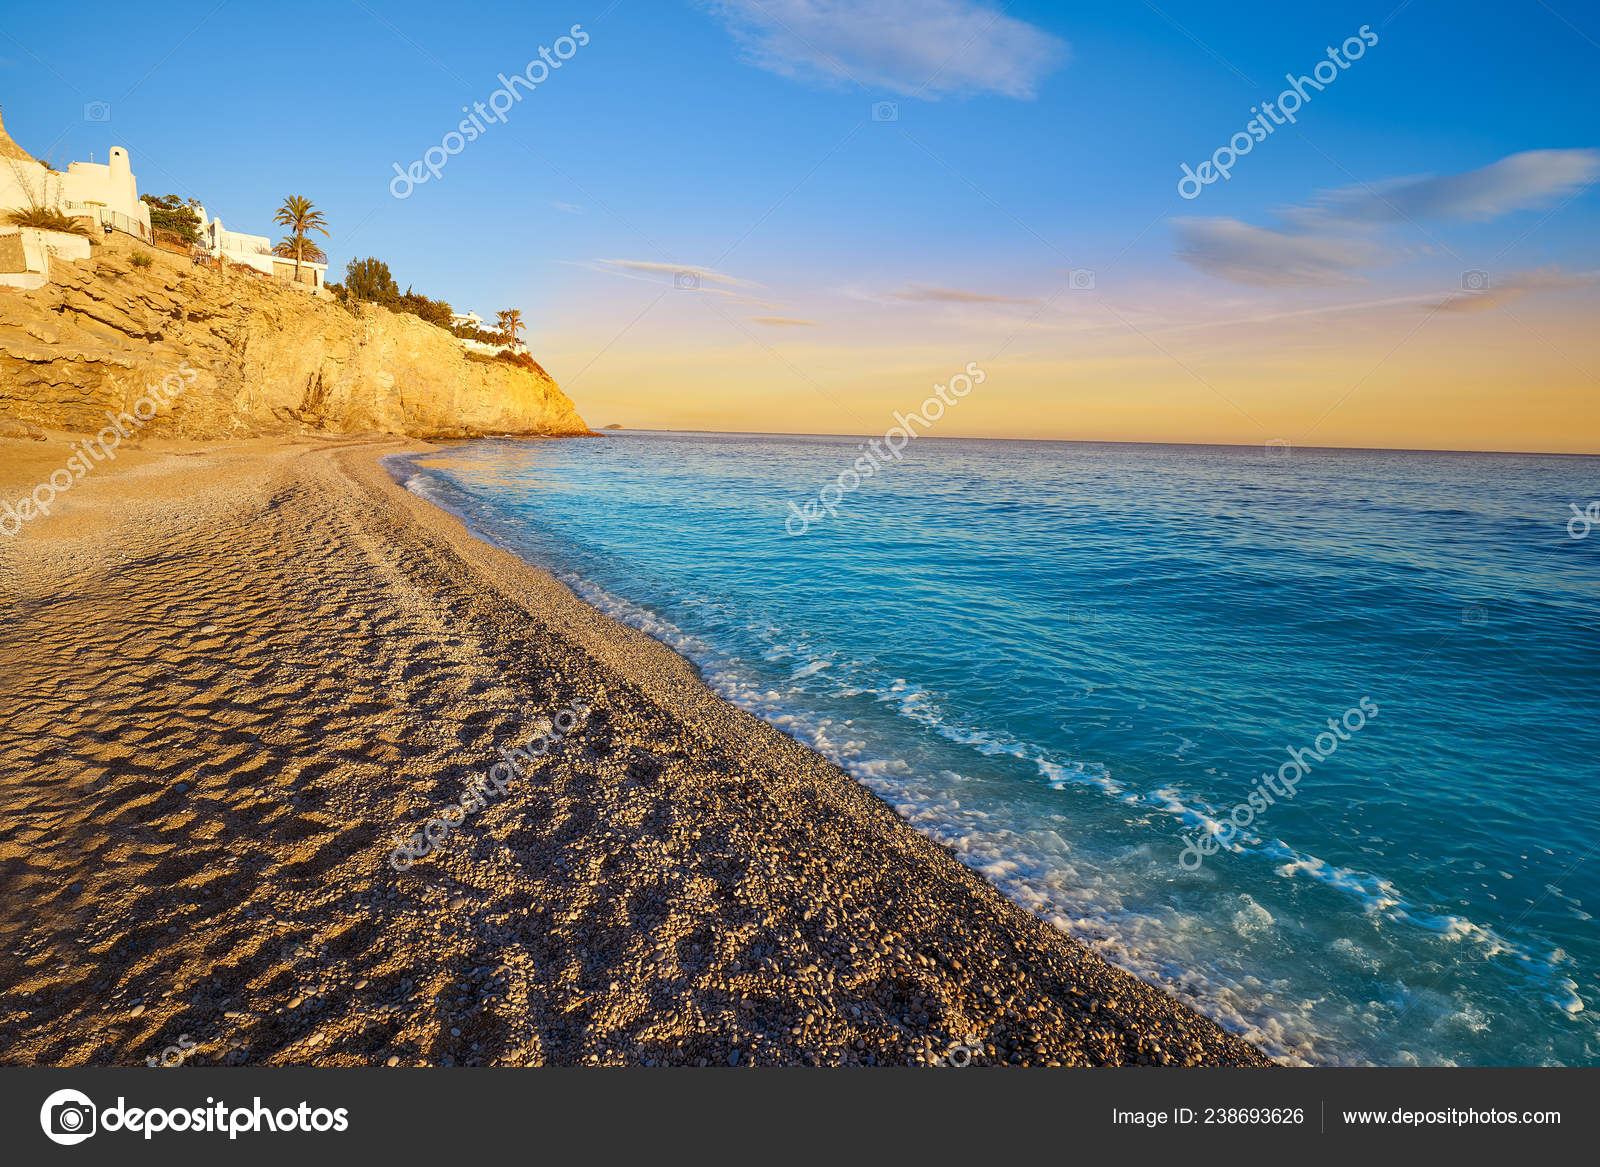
[455, 1032]
[136, 1011]
[209, 628]
[294, 1002]
[394, 1060]
[733, 1058]
[361, 985]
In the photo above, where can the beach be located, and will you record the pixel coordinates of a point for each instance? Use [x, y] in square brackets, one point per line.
[239, 675]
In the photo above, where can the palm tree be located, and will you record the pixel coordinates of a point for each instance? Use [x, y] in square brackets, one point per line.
[294, 246]
[510, 323]
[300, 217]
[46, 220]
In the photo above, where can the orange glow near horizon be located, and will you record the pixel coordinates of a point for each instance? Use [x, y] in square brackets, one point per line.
[1401, 377]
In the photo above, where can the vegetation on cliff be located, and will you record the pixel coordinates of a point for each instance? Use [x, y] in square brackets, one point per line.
[269, 357]
[177, 217]
[301, 217]
[368, 281]
[46, 219]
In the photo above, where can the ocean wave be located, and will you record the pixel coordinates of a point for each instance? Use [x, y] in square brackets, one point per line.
[1046, 882]
[1106, 894]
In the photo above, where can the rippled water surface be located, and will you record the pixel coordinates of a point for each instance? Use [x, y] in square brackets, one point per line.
[1068, 659]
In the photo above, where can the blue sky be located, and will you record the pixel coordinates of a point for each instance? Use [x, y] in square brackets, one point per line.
[739, 138]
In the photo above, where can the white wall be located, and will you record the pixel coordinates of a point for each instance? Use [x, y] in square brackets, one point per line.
[22, 184]
[63, 245]
[84, 186]
[264, 263]
[488, 350]
[234, 242]
[251, 250]
[110, 184]
[39, 250]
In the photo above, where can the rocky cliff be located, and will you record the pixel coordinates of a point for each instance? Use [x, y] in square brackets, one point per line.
[253, 356]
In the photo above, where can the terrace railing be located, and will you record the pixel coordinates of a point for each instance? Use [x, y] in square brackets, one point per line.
[127, 224]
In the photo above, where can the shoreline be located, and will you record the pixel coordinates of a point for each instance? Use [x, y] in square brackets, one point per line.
[258, 668]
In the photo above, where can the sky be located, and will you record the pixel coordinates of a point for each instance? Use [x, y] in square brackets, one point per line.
[803, 215]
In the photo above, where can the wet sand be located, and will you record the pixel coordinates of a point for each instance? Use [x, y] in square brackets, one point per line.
[234, 677]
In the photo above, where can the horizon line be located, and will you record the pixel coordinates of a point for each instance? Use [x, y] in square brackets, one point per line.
[1105, 442]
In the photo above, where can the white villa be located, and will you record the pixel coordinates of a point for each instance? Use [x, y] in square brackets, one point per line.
[473, 320]
[107, 191]
[255, 251]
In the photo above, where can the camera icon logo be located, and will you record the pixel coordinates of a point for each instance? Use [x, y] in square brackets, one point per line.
[1474, 616]
[686, 280]
[68, 1117]
[1475, 282]
[1080, 279]
[97, 111]
[1278, 447]
[885, 111]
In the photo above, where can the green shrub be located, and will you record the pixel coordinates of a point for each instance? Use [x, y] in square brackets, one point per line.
[369, 279]
[521, 360]
[140, 259]
[177, 216]
[468, 332]
[435, 312]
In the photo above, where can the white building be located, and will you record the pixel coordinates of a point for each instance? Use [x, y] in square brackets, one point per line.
[473, 320]
[105, 191]
[108, 193]
[27, 253]
[255, 251]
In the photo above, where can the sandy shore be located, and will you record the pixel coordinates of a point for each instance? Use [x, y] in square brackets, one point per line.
[236, 676]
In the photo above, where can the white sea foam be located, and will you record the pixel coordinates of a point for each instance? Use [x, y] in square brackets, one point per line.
[1033, 868]
[1041, 870]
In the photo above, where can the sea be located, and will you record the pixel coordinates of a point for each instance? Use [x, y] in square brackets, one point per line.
[1306, 737]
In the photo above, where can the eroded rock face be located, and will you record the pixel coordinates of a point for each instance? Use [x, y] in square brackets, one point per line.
[253, 356]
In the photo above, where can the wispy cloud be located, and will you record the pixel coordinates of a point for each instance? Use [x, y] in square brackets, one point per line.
[1231, 250]
[1356, 306]
[568, 208]
[954, 296]
[1518, 182]
[1335, 237]
[784, 322]
[684, 273]
[1518, 284]
[924, 47]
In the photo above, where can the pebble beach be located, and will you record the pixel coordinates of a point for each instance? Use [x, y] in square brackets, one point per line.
[239, 676]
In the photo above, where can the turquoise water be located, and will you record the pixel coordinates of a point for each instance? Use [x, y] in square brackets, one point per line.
[1071, 661]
